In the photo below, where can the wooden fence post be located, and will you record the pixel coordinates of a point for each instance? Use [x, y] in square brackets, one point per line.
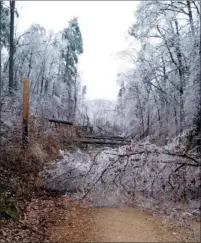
[25, 111]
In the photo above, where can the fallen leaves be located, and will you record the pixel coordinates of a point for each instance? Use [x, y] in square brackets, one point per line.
[74, 226]
[32, 227]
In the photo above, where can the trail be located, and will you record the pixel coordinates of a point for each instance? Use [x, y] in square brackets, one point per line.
[118, 225]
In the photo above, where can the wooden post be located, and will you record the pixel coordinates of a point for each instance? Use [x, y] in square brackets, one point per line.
[25, 111]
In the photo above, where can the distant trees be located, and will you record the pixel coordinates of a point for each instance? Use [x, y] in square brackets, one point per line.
[160, 95]
[162, 92]
[49, 60]
[4, 24]
[101, 114]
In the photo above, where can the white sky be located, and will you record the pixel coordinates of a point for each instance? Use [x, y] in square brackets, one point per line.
[104, 26]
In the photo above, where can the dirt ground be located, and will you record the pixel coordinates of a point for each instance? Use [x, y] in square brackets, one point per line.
[61, 219]
[79, 224]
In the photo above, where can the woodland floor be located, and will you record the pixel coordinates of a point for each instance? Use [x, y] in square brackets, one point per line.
[59, 219]
[79, 224]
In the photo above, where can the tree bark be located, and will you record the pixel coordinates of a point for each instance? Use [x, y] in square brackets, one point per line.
[11, 54]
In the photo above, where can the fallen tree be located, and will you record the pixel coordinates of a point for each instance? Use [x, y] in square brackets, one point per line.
[96, 141]
[108, 138]
[143, 174]
[60, 121]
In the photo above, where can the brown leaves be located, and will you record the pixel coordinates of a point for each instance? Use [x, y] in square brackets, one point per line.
[39, 215]
[73, 226]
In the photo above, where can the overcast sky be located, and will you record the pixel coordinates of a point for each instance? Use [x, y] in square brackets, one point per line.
[104, 26]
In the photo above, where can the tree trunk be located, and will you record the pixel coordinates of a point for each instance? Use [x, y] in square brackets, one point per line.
[190, 17]
[11, 54]
[30, 67]
[47, 79]
[175, 115]
[198, 122]
[25, 111]
[181, 78]
[42, 80]
[41, 88]
[165, 100]
[0, 41]
[200, 83]
[66, 74]
[75, 98]
[46, 86]
[0, 56]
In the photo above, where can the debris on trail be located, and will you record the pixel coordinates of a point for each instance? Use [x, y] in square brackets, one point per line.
[111, 225]
[61, 219]
[141, 174]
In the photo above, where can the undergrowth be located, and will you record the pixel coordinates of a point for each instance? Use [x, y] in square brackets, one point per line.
[20, 167]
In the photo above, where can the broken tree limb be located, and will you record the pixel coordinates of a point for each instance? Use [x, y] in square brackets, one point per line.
[181, 163]
[60, 121]
[101, 142]
[182, 155]
[198, 163]
[99, 178]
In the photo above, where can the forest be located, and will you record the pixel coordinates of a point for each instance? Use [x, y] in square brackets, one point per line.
[141, 150]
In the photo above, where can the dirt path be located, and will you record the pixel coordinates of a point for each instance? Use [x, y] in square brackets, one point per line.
[131, 225]
[118, 225]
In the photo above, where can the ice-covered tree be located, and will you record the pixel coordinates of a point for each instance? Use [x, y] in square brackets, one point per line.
[164, 88]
